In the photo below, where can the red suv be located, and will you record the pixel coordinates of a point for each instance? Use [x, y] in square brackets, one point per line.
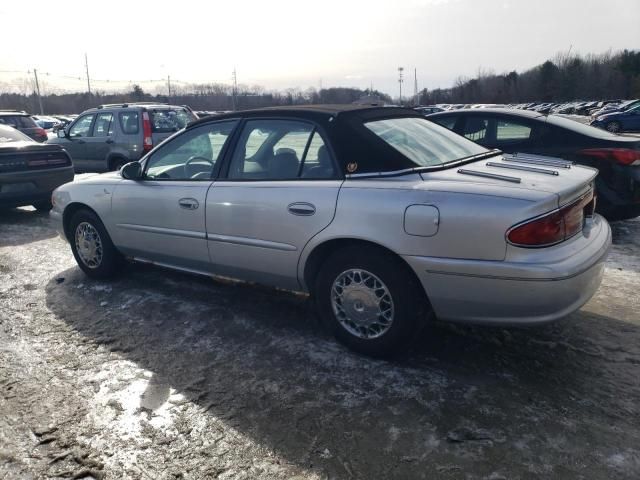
[22, 121]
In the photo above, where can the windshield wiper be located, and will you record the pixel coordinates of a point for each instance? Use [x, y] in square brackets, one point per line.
[477, 156]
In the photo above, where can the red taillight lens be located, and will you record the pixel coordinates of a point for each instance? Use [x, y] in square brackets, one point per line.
[624, 156]
[554, 227]
[147, 143]
[41, 132]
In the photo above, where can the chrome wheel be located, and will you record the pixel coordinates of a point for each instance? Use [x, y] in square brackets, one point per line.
[613, 127]
[88, 245]
[362, 304]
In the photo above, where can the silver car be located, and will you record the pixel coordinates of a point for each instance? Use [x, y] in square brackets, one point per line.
[387, 219]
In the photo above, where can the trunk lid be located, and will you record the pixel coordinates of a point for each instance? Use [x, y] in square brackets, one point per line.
[524, 176]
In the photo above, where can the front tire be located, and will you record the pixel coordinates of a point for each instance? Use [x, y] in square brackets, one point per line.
[92, 247]
[43, 206]
[370, 300]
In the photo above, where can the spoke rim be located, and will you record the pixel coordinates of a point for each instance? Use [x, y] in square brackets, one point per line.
[88, 245]
[362, 304]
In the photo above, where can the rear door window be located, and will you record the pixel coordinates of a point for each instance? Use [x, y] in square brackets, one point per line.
[170, 119]
[104, 125]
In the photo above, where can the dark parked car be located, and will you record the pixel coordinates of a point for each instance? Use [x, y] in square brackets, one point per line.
[428, 110]
[30, 171]
[22, 121]
[623, 121]
[519, 131]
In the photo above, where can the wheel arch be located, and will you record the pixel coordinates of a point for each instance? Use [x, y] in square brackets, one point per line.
[112, 158]
[69, 211]
[319, 253]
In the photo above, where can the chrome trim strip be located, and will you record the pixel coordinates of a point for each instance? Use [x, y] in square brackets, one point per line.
[476, 173]
[523, 168]
[538, 160]
[163, 231]
[251, 242]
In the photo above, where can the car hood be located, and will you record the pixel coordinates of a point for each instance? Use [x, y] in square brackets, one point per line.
[98, 178]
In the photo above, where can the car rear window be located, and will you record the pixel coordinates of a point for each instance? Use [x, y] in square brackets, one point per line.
[18, 121]
[170, 119]
[423, 142]
[8, 135]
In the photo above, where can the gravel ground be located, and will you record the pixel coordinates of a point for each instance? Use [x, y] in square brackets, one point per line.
[160, 375]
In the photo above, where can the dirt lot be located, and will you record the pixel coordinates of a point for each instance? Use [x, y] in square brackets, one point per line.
[160, 375]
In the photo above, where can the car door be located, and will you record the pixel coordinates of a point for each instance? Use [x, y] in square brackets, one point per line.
[98, 143]
[161, 218]
[76, 141]
[280, 190]
[631, 122]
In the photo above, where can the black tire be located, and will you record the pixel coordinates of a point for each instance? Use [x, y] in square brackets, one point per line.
[111, 260]
[410, 305]
[117, 163]
[613, 127]
[43, 206]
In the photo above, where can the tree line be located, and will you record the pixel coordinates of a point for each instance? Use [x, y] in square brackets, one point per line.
[565, 77]
[208, 97]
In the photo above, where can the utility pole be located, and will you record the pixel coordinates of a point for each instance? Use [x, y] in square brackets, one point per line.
[415, 87]
[169, 87]
[400, 80]
[235, 88]
[35, 74]
[86, 66]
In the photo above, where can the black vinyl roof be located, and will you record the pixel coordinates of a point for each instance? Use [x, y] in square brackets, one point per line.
[343, 126]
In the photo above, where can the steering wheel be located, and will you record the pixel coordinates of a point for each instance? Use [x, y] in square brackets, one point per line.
[193, 159]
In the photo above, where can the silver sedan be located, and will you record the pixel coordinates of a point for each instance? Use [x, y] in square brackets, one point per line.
[384, 217]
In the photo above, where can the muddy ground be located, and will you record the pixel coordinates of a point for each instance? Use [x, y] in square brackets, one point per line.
[160, 375]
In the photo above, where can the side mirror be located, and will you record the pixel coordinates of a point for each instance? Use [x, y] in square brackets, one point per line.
[131, 171]
[62, 133]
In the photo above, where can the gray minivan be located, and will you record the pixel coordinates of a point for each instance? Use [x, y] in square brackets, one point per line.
[105, 138]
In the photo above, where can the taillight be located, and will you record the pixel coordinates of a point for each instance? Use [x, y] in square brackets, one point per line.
[41, 132]
[147, 143]
[554, 227]
[624, 156]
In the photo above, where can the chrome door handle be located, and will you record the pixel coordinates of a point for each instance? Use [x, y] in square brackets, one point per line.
[301, 208]
[188, 203]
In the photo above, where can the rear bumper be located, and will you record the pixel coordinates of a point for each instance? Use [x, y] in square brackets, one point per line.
[26, 188]
[534, 291]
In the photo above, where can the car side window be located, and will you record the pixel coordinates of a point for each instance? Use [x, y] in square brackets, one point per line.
[191, 156]
[318, 163]
[446, 122]
[512, 131]
[129, 122]
[82, 127]
[271, 150]
[104, 125]
[475, 129]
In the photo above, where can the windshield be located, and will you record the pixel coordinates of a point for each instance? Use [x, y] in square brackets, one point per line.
[170, 120]
[8, 134]
[424, 143]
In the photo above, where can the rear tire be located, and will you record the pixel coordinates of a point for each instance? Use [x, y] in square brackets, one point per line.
[613, 127]
[370, 300]
[116, 164]
[92, 247]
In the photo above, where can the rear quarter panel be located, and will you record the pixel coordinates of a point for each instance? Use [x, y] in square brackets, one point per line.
[472, 224]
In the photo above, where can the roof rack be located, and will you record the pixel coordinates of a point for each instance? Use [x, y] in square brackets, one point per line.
[124, 105]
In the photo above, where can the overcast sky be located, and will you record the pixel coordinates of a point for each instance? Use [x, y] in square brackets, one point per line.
[298, 43]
